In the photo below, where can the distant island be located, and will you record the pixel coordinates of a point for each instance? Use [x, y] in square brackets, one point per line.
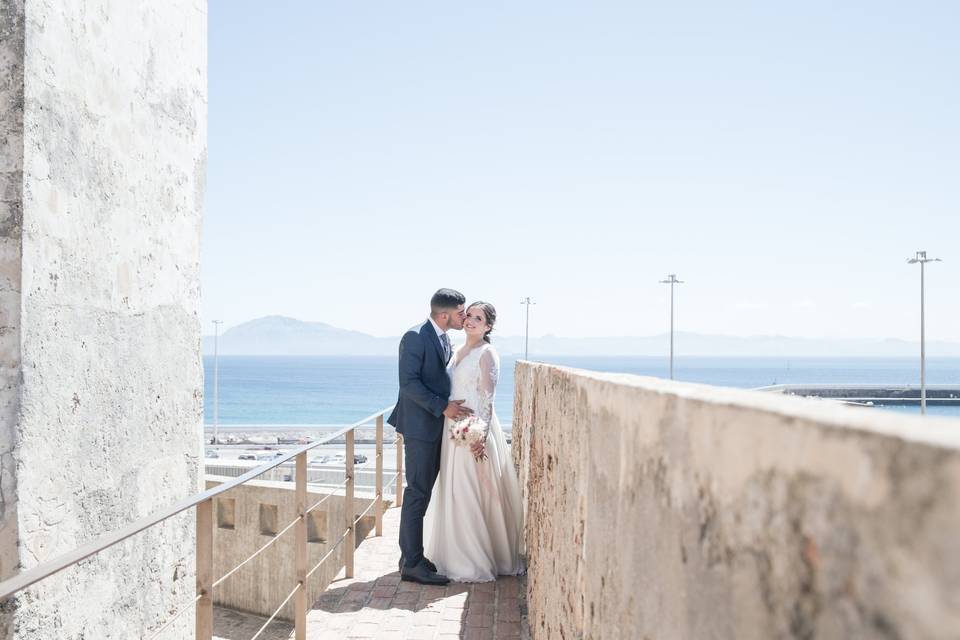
[283, 336]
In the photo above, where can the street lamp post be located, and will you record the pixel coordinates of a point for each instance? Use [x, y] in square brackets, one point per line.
[671, 280]
[216, 378]
[526, 336]
[922, 259]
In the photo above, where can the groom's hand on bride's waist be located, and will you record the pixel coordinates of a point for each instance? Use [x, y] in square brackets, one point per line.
[456, 411]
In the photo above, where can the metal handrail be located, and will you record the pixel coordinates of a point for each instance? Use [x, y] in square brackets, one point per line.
[278, 425]
[46, 569]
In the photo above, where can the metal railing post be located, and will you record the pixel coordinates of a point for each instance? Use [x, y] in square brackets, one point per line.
[205, 570]
[379, 481]
[203, 502]
[398, 485]
[351, 541]
[300, 600]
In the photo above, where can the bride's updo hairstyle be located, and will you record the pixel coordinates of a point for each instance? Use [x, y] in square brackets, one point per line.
[490, 313]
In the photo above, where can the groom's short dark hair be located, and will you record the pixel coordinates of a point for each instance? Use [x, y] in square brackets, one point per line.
[446, 299]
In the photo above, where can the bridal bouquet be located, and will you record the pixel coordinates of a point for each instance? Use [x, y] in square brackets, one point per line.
[468, 432]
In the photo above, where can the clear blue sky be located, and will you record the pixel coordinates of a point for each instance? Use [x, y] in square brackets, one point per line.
[783, 158]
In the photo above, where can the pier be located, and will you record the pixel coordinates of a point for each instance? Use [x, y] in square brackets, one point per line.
[872, 394]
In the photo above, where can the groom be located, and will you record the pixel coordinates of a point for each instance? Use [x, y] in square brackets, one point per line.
[424, 400]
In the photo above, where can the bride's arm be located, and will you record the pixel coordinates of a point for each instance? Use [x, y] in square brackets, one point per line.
[489, 374]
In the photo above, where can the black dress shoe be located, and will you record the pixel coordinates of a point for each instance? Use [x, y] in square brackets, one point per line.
[429, 564]
[422, 575]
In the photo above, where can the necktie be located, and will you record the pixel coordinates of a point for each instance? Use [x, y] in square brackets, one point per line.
[446, 346]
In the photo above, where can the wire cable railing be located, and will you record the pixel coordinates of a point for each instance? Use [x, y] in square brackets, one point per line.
[176, 616]
[277, 535]
[256, 553]
[341, 539]
[277, 610]
[329, 553]
[203, 504]
[327, 497]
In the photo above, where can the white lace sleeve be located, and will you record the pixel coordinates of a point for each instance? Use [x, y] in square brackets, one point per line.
[489, 375]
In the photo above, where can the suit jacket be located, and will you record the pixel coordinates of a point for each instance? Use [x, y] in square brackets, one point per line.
[424, 385]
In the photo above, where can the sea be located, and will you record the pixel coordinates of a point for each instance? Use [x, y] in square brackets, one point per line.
[332, 390]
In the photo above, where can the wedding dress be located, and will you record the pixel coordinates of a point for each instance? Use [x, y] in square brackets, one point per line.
[473, 527]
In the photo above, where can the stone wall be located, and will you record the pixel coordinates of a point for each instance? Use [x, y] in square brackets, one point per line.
[102, 173]
[664, 510]
[240, 516]
[11, 225]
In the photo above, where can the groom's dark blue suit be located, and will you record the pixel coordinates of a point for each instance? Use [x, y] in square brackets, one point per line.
[418, 416]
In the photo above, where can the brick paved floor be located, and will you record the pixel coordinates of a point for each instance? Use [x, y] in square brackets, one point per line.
[376, 604]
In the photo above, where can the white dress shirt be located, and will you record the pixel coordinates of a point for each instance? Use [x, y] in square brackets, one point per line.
[437, 328]
[444, 341]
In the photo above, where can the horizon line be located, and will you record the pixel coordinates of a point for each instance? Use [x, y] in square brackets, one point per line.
[663, 334]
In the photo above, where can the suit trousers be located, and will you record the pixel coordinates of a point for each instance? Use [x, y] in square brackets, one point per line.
[423, 466]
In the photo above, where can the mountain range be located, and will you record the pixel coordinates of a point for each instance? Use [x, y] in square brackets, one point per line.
[279, 335]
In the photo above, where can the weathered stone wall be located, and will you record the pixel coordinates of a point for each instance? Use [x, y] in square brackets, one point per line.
[261, 585]
[11, 224]
[105, 275]
[664, 510]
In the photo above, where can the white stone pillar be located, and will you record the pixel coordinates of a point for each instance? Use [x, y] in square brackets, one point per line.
[103, 108]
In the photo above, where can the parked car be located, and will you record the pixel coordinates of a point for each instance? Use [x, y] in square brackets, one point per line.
[247, 456]
[359, 458]
[210, 453]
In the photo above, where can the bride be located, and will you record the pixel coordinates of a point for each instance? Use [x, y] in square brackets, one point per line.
[473, 526]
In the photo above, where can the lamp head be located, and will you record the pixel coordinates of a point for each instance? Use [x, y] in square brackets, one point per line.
[922, 258]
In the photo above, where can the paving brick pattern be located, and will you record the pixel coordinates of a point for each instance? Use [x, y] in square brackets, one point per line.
[375, 604]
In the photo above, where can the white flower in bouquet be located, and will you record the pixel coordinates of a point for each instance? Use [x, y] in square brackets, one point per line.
[468, 432]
